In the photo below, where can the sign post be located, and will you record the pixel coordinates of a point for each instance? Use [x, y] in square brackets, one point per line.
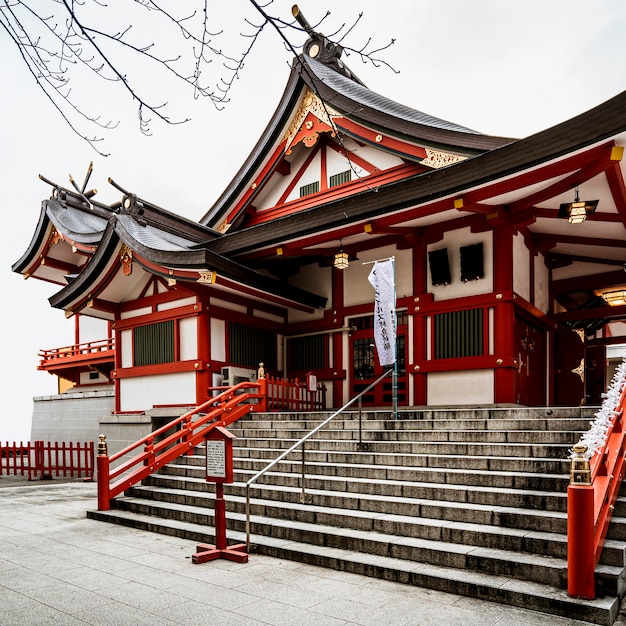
[219, 469]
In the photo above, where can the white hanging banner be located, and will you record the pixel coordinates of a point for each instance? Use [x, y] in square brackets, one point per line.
[382, 279]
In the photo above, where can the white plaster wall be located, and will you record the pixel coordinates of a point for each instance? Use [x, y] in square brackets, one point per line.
[125, 315]
[168, 306]
[581, 269]
[542, 284]
[357, 289]
[127, 348]
[521, 267]
[188, 331]
[218, 340]
[142, 393]
[473, 387]
[92, 378]
[454, 240]
[335, 164]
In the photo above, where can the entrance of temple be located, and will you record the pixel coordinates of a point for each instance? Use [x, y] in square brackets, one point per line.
[531, 364]
[365, 368]
[569, 367]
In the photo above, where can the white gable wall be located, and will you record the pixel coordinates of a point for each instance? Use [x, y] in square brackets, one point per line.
[542, 284]
[357, 289]
[521, 267]
[144, 392]
[453, 241]
[474, 387]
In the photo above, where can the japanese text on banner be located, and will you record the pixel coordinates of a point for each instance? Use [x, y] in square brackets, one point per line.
[382, 279]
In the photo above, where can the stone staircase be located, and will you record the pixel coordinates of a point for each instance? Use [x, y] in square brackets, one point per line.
[471, 502]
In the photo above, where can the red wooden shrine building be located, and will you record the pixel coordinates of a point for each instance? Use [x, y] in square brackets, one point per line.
[509, 259]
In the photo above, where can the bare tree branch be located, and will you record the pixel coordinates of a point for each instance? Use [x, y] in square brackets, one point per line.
[68, 42]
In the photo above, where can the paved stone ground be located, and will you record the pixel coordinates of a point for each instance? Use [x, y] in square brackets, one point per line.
[58, 567]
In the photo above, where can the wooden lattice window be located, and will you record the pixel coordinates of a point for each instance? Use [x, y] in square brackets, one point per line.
[459, 334]
[307, 190]
[340, 179]
[307, 353]
[248, 346]
[154, 343]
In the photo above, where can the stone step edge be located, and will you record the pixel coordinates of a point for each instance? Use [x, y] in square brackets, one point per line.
[400, 468]
[145, 491]
[551, 563]
[533, 596]
[419, 484]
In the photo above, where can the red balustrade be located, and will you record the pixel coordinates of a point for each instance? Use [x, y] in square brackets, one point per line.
[590, 506]
[122, 470]
[294, 395]
[42, 459]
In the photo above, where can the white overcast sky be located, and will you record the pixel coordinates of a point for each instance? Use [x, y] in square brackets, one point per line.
[501, 67]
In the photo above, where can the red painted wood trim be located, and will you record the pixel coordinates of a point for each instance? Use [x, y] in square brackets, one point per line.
[255, 186]
[378, 139]
[188, 310]
[294, 181]
[502, 261]
[194, 365]
[323, 169]
[618, 189]
[484, 362]
[354, 158]
[377, 179]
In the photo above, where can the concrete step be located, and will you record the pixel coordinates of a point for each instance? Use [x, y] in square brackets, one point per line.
[457, 476]
[542, 437]
[478, 584]
[400, 517]
[459, 449]
[504, 464]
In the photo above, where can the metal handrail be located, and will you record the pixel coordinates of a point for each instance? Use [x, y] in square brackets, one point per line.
[301, 443]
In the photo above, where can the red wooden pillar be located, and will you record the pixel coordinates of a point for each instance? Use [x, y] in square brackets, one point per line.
[337, 338]
[118, 365]
[418, 338]
[580, 542]
[204, 376]
[505, 374]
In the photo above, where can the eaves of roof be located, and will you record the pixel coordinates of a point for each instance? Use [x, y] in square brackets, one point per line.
[600, 123]
[125, 229]
[352, 99]
[255, 159]
[35, 244]
[359, 103]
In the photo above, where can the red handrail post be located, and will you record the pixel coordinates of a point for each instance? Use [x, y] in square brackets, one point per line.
[580, 546]
[262, 403]
[104, 497]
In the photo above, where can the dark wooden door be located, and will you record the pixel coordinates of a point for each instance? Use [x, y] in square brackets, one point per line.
[569, 360]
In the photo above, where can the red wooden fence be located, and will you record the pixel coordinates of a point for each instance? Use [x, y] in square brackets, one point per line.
[42, 459]
[293, 395]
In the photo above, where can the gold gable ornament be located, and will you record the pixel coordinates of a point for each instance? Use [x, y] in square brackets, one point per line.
[207, 278]
[126, 259]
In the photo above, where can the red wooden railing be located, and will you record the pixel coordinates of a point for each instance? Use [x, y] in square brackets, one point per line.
[590, 506]
[47, 459]
[162, 446]
[293, 395]
[76, 352]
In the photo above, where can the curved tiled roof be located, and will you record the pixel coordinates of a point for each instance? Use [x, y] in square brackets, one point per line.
[78, 225]
[358, 93]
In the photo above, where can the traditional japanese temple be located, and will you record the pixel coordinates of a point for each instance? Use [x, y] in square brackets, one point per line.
[509, 259]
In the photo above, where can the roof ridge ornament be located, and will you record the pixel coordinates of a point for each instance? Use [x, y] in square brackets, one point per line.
[320, 48]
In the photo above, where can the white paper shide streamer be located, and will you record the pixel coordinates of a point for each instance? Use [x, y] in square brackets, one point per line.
[382, 279]
[596, 436]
